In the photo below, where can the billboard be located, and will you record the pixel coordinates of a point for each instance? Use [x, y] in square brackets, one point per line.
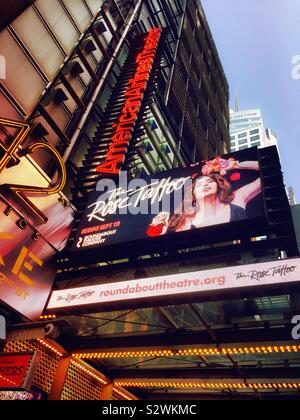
[225, 191]
[181, 286]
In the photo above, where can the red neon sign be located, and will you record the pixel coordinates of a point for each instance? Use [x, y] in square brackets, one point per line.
[135, 92]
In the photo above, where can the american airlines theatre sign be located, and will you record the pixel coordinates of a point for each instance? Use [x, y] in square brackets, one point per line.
[134, 95]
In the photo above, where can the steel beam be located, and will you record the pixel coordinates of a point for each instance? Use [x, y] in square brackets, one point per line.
[171, 338]
[219, 374]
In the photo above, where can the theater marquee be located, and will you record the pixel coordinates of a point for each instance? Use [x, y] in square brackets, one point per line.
[156, 290]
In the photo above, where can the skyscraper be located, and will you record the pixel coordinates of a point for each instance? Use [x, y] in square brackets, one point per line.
[291, 196]
[247, 129]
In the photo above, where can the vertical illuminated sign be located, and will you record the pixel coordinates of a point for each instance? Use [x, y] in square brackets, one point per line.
[135, 92]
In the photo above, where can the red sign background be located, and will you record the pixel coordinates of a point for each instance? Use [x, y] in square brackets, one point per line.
[13, 370]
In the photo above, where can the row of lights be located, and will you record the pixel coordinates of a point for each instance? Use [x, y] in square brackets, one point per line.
[189, 352]
[83, 369]
[118, 355]
[9, 381]
[126, 397]
[240, 350]
[78, 365]
[202, 385]
[89, 372]
[50, 347]
[75, 363]
[45, 317]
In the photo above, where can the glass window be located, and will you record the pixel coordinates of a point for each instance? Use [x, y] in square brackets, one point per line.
[59, 22]
[255, 138]
[94, 5]
[243, 141]
[256, 144]
[79, 12]
[254, 132]
[242, 135]
[232, 137]
[144, 17]
[243, 147]
[22, 79]
[39, 42]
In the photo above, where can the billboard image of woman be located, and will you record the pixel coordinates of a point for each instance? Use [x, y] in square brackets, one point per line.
[225, 192]
[212, 198]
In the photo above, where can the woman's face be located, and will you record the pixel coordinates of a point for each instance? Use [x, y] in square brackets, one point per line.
[204, 187]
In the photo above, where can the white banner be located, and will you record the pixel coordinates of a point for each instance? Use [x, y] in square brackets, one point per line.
[273, 272]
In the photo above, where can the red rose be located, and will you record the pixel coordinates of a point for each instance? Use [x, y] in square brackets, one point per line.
[154, 231]
[235, 177]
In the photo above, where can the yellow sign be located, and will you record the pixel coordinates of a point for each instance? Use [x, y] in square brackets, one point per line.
[23, 263]
[8, 155]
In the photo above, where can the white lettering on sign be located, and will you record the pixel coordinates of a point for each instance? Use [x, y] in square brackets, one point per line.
[119, 198]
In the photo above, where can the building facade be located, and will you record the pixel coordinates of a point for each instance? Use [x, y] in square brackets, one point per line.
[70, 72]
[291, 196]
[55, 94]
[247, 129]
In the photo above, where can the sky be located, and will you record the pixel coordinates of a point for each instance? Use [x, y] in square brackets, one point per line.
[257, 41]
